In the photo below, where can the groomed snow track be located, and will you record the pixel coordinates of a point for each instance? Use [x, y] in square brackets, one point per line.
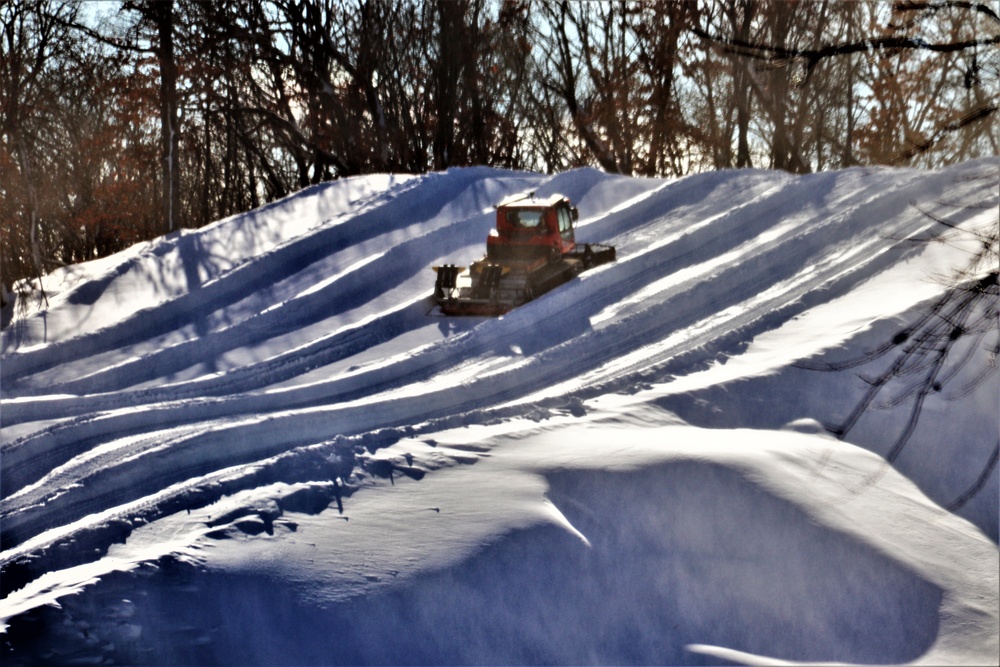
[272, 345]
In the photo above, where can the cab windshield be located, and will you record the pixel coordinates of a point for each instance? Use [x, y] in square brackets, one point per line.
[520, 217]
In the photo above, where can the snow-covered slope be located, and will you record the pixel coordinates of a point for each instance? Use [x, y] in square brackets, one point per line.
[258, 436]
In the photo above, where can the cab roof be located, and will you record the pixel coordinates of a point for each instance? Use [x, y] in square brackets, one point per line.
[529, 200]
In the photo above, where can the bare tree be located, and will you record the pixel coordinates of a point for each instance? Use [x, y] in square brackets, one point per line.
[223, 105]
[916, 68]
[34, 43]
[566, 46]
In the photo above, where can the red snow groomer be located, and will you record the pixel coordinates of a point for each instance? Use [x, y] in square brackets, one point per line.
[532, 250]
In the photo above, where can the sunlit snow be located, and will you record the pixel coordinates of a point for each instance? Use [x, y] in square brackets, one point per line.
[259, 443]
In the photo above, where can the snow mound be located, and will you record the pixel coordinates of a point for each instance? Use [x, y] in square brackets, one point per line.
[636, 467]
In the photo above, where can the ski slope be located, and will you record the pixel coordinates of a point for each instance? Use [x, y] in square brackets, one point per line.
[269, 414]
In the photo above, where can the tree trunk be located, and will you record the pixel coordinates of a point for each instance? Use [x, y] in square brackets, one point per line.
[742, 90]
[162, 15]
[36, 250]
[450, 29]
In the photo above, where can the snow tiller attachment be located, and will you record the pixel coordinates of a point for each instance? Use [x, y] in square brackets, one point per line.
[531, 251]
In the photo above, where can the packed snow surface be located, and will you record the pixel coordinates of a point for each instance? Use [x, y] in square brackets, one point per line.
[259, 443]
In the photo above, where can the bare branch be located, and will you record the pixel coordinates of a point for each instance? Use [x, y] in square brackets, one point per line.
[778, 54]
[912, 5]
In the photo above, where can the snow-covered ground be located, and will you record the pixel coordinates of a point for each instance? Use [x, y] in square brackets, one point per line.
[257, 443]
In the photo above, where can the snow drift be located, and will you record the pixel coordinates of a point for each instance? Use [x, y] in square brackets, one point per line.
[253, 442]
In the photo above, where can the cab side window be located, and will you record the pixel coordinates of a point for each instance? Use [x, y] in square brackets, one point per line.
[565, 222]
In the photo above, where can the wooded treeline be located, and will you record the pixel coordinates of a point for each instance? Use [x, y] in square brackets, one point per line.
[125, 120]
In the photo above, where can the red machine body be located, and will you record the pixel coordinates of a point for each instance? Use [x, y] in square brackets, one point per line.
[532, 250]
[528, 228]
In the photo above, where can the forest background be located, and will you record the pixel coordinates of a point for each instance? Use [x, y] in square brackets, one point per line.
[124, 120]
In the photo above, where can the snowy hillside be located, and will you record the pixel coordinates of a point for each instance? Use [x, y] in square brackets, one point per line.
[257, 443]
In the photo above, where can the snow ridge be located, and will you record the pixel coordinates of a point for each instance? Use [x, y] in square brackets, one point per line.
[287, 347]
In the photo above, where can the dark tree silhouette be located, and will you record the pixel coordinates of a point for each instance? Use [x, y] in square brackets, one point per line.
[223, 105]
